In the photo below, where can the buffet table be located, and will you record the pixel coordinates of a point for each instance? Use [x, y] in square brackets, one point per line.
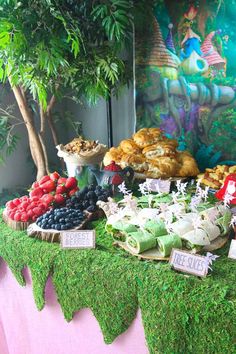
[23, 329]
[180, 314]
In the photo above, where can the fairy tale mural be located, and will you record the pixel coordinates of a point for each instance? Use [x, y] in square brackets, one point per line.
[185, 60]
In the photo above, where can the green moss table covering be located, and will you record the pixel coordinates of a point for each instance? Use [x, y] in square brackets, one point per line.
[181, 314]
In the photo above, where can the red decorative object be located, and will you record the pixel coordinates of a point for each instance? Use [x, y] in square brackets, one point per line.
[113, 167]
[229, 187]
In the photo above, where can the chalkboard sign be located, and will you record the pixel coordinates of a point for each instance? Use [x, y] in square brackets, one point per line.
[189, 263]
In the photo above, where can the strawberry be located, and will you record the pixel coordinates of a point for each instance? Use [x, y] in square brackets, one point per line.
[11, 214]
[37, 211]
[30, 213]
[48, 199]
[25, 198]
[71, 183]
[24, 217]
[34, 199]
[44, 179]
[16, 201]
[17, 216]
[61, 189]
[62, 180]
[24, 205]
[54, 176]
[10, 205]
[35, 185]
[48, 186]
[59, 199]
[37, 192]
[73, 191]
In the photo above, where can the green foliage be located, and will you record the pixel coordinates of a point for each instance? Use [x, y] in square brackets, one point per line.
[49, 45]
[8, 140]
[180, 314]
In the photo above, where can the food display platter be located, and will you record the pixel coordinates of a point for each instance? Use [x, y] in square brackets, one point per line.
[15, 225]
[142, 176]
[51, 235]
[155, 254]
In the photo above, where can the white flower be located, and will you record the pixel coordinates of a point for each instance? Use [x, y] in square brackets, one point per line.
[122, 188]
[131, 203]
[143, 188]
[195, 201]
[175, 196]
[183, 187]
[197, 222]
[233, 221]
[227, 199]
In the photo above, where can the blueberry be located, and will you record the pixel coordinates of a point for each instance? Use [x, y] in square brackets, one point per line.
[102, 198]
[91, 208]
[86, 204]
[91, 195]
[91, 187]
[84, 190]
[68, 226]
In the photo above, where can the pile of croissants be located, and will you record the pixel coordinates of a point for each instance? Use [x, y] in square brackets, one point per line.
[152, 154]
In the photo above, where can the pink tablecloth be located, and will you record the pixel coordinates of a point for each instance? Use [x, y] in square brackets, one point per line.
[25, 330]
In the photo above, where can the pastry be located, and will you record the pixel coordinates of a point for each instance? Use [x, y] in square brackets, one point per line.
[129, 147]
[215, 177]
[114, 154]
[146, 137]
[163, 167]
[137, 162]
[188, 165]
[162, 148]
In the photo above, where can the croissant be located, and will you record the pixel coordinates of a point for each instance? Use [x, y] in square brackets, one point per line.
[114, 154]
[162, 167]
[129, 147]
[188, 165]
[137, 162]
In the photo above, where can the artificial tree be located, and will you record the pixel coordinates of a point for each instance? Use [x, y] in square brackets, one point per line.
[50, 46]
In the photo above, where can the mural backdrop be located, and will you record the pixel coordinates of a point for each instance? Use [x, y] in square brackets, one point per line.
[185, 62]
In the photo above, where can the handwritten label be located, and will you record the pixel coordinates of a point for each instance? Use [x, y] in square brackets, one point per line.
[189, 263]
[158, 185]
[232, 250]
[78, 239]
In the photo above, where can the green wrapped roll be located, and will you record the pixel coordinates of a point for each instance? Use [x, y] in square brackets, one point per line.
[156, 228]
[120, 229]
[167, 242]
[140, 241]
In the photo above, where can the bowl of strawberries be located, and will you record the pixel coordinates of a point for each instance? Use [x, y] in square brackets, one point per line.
[51, 191]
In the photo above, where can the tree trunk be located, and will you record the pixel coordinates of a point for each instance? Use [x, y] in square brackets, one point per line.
[43, 117]
[35, 145]
[53, 128]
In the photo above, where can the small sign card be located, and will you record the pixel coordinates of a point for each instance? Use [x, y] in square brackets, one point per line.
[158, 185]
[78, 239]
[189, 263]
[232, 250]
